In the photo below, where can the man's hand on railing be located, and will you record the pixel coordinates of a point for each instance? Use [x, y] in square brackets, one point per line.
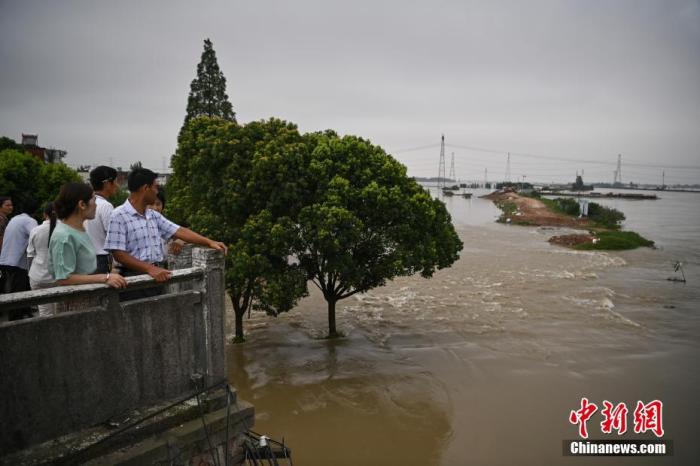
[218, 245]
[159, 274]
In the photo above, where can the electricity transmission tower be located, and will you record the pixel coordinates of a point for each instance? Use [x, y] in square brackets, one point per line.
[441, 169]
[486, 176]
[618, 170]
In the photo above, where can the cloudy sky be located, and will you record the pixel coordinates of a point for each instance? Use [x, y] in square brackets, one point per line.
[564, 86]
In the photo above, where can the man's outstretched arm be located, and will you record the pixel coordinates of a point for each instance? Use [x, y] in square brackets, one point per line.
[189, 236]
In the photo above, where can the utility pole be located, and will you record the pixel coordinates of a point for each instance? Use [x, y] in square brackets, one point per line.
[441, 169]
[508, 169]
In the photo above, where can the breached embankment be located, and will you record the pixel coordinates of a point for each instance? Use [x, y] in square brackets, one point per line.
[521, 210]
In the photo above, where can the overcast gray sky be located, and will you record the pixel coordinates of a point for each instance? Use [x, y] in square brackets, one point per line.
[582, 80]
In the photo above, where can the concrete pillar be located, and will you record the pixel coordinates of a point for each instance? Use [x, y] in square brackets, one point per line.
[177, 262]
[182, 260]
[212, 288]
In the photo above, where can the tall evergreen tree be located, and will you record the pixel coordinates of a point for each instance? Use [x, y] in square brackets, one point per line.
[208, 90]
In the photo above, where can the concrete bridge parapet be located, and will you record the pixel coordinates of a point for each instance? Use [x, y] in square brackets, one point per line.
[74, 370]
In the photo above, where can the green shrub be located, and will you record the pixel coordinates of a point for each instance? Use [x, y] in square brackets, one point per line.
[605, 216]
[121, 196]
[568, 206]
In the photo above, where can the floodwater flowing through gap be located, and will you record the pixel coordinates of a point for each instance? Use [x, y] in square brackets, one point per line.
[483, 363]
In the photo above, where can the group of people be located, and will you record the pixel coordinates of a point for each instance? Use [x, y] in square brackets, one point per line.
[84, 239]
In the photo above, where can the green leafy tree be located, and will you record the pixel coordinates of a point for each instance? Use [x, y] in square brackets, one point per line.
[8, 143]
[53, 176]
[30, 182]
[208, 90]
[136, 165]
[237, 184]
[120, 197]
[20, 178]
[365, 222]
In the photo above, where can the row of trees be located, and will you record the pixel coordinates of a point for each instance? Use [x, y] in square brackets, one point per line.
[29, 181]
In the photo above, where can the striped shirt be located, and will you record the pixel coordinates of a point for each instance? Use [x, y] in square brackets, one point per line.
[138, 235]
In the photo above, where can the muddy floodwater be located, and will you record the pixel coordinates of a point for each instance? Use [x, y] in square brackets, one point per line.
[483, 363]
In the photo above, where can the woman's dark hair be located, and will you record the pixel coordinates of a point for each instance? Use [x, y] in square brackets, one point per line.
[51, 213]
[69, 197]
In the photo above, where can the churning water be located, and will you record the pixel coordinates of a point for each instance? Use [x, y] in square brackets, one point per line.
[482, 363]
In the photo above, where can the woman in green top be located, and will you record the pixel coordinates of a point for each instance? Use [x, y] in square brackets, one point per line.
[72, 255]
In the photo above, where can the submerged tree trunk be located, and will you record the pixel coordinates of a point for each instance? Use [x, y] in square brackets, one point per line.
[239, 312]
[239, 337]
[332, 333]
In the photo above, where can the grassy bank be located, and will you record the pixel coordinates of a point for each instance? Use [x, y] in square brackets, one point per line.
[615, 240]
[508, 208]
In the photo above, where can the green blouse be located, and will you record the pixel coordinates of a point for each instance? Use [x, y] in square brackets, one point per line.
[71, 252]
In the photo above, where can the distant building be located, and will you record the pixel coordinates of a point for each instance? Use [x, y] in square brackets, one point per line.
[84, 173]
[30, 142]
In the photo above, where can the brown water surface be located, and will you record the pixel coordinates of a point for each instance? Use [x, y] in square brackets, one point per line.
[482, 363]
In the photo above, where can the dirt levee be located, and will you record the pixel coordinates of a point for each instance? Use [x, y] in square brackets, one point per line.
[530, 211]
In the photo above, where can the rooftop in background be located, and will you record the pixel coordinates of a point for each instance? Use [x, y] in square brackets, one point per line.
[30, 139]
[30, 143]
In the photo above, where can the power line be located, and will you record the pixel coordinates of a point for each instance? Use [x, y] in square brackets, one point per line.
[566, 159]
[411, 149]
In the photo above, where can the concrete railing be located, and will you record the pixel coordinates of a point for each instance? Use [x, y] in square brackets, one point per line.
[75, 369]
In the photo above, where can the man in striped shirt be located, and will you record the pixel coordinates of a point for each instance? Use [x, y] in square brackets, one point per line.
[135, 233]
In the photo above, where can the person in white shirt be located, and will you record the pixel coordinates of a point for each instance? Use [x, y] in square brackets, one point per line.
[103, 181]
[38, 256]
[13, 257]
